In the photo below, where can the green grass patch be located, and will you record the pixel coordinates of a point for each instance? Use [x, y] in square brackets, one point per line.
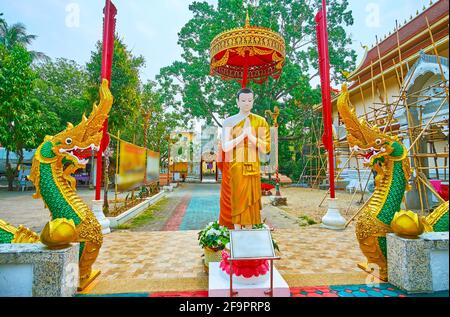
[124, 226]
[147, 216]
[306, 221]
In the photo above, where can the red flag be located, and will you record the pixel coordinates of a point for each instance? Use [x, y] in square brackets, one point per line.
[324, 65]
[109, 27]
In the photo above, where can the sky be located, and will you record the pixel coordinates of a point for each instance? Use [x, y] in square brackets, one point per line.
[70, 28]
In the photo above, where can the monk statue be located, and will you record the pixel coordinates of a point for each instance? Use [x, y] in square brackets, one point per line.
[244, 137]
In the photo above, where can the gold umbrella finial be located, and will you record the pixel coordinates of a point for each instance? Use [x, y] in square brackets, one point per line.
[247, 20]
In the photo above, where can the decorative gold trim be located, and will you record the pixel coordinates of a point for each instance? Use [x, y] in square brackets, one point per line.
[7, 227]
[248, 36]
[353, 73]
[21, 234]
[437, 214]
[252, 39]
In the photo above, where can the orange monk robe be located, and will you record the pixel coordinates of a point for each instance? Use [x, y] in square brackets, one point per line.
[245, 178]
[225, 191]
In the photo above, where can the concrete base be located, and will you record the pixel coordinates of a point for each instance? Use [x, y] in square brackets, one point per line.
[419, 265]
[219, 285]
[97, 209]
[34, 270]
[333, 219]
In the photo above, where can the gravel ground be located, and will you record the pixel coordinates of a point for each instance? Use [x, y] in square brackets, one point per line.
[305, 202]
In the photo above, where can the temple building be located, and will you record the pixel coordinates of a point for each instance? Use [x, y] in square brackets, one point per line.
[401, 85]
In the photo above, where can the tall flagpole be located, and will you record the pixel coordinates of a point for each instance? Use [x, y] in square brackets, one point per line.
[324, 62]
[332, 219]
[109, 25]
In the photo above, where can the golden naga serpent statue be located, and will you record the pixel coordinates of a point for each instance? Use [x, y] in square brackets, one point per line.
[55, 160]
[388, 159]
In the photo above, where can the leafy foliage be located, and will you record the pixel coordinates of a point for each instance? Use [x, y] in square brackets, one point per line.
[61, 88]
[125, 87]
[161, 120]
[214, 236]
[24, 122]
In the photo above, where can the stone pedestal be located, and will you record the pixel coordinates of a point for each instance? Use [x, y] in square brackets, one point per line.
[418, 265]
[34, 270]
[219, 285]
[97, 209]
[333, 219]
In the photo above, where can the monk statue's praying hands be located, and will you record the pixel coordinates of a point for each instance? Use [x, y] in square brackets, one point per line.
[244, 136]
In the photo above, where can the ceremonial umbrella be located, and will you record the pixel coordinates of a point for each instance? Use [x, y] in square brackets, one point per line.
[248, 53]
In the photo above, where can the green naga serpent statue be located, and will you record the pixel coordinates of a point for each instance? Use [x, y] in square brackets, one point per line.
[382, 214]
[55, 160]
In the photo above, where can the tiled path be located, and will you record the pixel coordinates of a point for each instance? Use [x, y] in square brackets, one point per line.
[19, 208]
[192, 207]
[168, 258]
[202, 209]
[172, 260]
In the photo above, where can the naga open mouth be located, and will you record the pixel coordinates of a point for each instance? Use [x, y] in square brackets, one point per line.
[81, 154]
[368, 153]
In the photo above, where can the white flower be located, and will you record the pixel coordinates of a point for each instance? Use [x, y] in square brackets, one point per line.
[213, 232]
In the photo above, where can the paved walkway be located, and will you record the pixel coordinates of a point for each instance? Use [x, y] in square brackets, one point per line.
[164, 256]
[20, 208]
[172, 260]
[193, 206]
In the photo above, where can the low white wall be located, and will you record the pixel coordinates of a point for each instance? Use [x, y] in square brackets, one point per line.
[135, 211]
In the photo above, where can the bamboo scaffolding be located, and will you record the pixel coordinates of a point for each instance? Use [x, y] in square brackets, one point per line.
[339, 174]
[423, 133]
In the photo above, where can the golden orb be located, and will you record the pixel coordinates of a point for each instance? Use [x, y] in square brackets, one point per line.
[59, 233]
[407, 224]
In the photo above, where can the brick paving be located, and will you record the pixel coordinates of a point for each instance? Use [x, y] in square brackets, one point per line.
[172, 260]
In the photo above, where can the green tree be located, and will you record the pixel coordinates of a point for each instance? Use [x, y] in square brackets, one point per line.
[203, 96]
[157, 120]
[10, 35]
[23, 121]
[125, 86]
[61, 88]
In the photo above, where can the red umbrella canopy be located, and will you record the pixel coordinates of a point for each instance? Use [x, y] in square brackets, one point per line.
[248, 53]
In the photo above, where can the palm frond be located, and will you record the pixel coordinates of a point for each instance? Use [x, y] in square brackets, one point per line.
[39, 57]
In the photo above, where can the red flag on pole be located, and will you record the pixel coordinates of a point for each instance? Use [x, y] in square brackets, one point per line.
[109, 26]
[324, 65]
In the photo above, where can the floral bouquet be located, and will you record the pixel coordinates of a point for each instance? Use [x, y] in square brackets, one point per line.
[214, 236]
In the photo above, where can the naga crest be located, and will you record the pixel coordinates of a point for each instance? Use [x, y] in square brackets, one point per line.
[368, 140]
[76, 143]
